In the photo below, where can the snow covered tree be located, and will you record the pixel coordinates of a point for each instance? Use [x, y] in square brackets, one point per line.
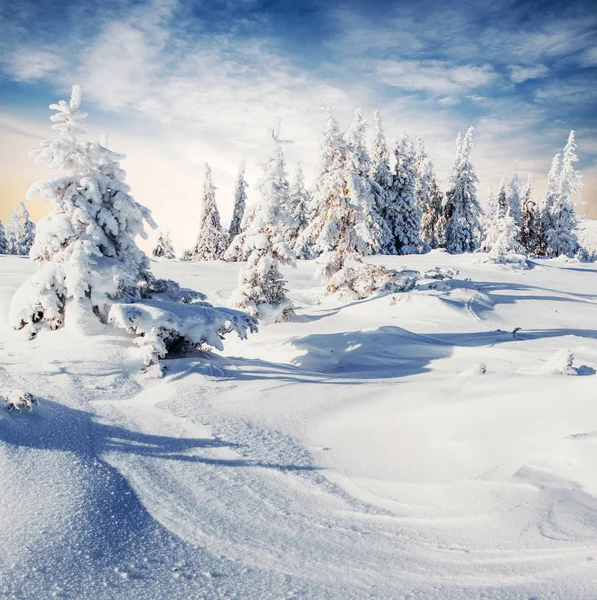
[502, 199]
[514, 202]
[300, 203]
[381, 177]
[91, 271]
[3, 240]
[462, 209]
[433, 222]
[428, 197]
[262, 292]
[500, 235]
[562, 237]
[489, 220]
[164, 247]
[501, 240]
[345, 218]
[240, 202]
[402, 214]
[13, 230]
[211, 240]
[551, 194]
[529, 230]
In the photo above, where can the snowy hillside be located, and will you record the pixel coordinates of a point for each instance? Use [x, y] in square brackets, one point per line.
[404, 446]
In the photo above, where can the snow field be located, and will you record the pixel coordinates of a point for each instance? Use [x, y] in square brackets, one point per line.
[356, 452]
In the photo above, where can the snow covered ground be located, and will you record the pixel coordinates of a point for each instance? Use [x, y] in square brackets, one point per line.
[357, 452]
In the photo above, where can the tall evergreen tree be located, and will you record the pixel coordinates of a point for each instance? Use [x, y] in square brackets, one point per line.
[424, 195]
[514, 202]
[529, 230]
[546, 220]
[211, 241]
[433, 223]
[240, 202]
[300, 210]
[562, 238]
[462, 207]
[502, 200]
[164, 247]
[402, 213]
[489, 220]
[262, 290]
[345, 218]
[381, 177]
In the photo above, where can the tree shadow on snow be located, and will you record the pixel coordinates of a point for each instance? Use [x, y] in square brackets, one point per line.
[56, 427]
[356, 357]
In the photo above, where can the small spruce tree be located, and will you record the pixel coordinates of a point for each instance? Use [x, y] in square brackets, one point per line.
[164, 247]
[529, 230]
[211, 240]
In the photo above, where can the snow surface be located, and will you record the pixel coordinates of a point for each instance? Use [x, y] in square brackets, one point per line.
[403, 446]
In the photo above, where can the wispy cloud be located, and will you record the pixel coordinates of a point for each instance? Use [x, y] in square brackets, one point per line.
[434, 76]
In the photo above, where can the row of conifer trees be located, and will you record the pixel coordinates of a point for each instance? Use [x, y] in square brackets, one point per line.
[397, 209]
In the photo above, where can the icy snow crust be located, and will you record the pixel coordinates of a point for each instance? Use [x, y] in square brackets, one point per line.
[406, 446]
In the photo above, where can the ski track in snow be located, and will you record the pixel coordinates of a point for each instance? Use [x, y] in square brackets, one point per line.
[336, 457]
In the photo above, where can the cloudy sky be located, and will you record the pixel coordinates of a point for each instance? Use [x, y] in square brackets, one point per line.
[175, 84]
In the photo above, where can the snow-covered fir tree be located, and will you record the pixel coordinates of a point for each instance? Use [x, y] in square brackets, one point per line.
[91, 271]
[426, 196]
[501, 239]
[300, 210]
[164, 247]
[344, 212]
[489, 220]
[381, 177]
[262, 292]
[462, 209]
[402, 214]
[433, 222]
[514, 202]
[529, 229]
[502, 199]
[211, 240]
[551, 193]
[240, 202]
[13, 230]
[562, 237]
[4, 249]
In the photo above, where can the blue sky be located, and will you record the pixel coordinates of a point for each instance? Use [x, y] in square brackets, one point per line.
[177, 83]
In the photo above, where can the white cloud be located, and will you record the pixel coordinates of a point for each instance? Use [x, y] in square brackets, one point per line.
[519, 73]
[29, 64]
[434, 76]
